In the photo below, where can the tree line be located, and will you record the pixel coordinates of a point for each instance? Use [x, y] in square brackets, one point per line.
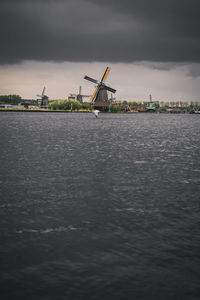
[68, 104]
[10, 99]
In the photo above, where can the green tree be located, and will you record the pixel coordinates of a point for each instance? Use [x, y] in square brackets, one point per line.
[86, 106]
[68, 104]
[124, 102]
[163, 109]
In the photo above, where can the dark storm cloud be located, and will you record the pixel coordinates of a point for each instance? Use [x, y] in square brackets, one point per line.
[106, 30]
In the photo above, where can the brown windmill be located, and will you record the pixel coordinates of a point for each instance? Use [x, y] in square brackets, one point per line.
[99, 98]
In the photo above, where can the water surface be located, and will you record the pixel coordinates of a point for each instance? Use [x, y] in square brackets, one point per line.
[103, 208]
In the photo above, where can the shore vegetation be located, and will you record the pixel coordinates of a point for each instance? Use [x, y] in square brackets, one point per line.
[17, 103]
[68, 105]
[10, 99]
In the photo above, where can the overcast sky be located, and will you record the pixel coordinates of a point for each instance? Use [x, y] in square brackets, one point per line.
[152, 46]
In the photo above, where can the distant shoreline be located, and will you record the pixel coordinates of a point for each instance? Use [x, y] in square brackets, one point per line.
[44, 111]
[69, 111]
[87, 111]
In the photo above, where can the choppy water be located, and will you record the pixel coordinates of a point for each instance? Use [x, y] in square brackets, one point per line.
[103, 208]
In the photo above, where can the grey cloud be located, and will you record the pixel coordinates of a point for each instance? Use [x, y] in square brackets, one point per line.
[162, 66]
[106, 30]
[193, 70]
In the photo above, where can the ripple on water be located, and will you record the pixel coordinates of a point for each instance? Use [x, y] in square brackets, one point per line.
[103, 208]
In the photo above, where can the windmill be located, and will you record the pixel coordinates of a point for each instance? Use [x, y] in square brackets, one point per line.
[44, 100]
[100, 95]
[111, 98]
[78, 96]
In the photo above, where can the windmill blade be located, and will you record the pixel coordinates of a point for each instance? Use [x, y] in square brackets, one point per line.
[39, 96]
[90, 79]
[105, 75]
[109, 89]
[73, 95]
[93, 96]
[80, 90]
[43, 91]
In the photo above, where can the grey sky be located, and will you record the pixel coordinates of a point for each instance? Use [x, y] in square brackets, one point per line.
[106, 30]
[132, 81]
[161, 36]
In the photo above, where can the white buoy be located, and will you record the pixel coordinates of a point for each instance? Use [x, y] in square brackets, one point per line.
[96, 112]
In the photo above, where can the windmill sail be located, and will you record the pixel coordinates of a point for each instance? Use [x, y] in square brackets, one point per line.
[93, 96]
[105, 75]
[109, 89]
[43, 91]
[90, 79]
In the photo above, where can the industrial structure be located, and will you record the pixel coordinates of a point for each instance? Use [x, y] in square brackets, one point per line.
[150, 107]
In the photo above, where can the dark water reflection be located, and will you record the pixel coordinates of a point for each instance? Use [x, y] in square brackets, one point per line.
[103, 208]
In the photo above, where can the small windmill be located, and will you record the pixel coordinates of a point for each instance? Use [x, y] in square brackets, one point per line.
[79, 96]
[100, 94]
[111, 98]
[44, 100]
